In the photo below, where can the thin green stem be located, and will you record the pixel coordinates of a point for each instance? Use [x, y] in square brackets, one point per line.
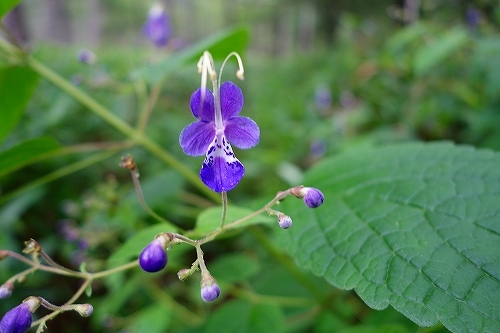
[64, 171]
[22, 274]
[137, 185]
[267, 299]
[117, 269]
[52, 263]
[224, 209]
[147, 109]
[118, 124]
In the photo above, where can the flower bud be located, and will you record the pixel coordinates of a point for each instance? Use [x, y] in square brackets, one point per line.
[184, 273]
[84, 310]
[312, 196]
[154, 258]
[209, 288]
[157, 27]
[6, 289]
[18, 319]
[32, 247]
[86, 56]
[284, 221]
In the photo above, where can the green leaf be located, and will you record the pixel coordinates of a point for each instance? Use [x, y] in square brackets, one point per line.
[430, 56]
[389, 328]
[7, 5]
[133, 247]
[209, 219]
[153, 319]
[16, 87]
[399, 40]
[234, 267]
[243, 317]
[416, 226]
[220, 45]
[25, 153]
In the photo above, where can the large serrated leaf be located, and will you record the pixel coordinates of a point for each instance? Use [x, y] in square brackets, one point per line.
[219, 45]
[416, 226]
[25, 153]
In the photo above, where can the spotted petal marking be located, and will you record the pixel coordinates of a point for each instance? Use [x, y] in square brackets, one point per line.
[221, 170]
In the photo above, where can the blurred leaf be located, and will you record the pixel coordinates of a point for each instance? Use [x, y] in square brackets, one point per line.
[7, 5]
[220, 45]
[11, 211]
[430, 56]
[16, 87]
[410, 225]
[25, 153]
[209, 219]
[243, 317]
[389, 328]
[404, 36]
[153, 319]
[133, 247]
[234, 267]
[122, 292]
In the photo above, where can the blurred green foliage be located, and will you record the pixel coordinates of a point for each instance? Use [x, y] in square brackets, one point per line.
[431, 80]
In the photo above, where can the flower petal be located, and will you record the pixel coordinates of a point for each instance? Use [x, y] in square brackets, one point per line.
[221, 170]
[242, 132]
[196, 137]
[204, 111]
[231, 100]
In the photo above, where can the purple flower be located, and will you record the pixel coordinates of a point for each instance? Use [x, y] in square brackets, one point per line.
[472, 17]
[157, 27]
[16, 320]
[210, 293]
[153, 258]
[219, 125]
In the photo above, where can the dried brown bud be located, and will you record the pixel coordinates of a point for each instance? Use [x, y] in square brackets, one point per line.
[128, 163]
[297, 191]
[184, 273]
[32, 246]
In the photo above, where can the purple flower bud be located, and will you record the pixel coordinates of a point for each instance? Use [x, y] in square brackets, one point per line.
[322, 97]
[6, 289]
[284, 221]
[153, 258]
[157, 26]
[87, 57]
[473, 17]
[18, 319]
[84, 310]
[317, 148]
[312, 197]
[210, 293]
